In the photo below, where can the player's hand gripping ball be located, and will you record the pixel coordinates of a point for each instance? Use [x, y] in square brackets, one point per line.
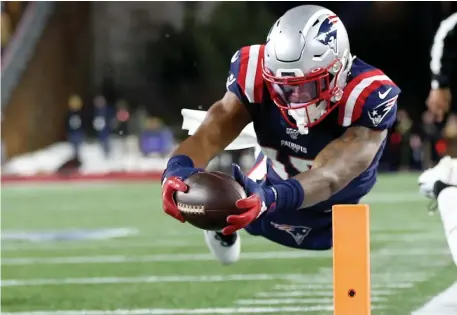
[209, 199]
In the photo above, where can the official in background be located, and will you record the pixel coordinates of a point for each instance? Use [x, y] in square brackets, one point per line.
[443, 66]
[75, 132]
[442, 98]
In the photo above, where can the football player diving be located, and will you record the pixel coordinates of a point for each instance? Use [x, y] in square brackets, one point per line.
[321, 117]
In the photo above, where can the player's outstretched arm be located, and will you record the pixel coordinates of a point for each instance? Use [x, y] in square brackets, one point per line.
[223, 123]
[339, 163]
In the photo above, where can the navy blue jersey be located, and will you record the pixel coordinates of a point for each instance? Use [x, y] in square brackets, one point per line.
[369, 100]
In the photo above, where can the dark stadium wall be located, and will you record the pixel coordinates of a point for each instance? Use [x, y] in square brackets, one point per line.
[35, 115]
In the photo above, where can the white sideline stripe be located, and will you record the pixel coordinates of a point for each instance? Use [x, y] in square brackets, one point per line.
[207, 257]
[180, 311]
[148, 279]
[380, 278]
[158, 258]
[443, 304]
[413, 252]
[397, 276]
[322, 293]
[329, 286]
[320, 301]
[167, 243]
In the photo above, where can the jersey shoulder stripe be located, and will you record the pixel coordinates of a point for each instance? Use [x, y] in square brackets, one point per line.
[250, 77]
[357, 91]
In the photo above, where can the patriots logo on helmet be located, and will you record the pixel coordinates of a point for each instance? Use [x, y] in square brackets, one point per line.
[327, 33]
[299, 233]
[378, 113]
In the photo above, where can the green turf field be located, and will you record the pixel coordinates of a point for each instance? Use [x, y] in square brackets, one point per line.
[161, 266]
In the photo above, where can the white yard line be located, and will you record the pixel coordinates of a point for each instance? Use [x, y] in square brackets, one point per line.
[159, 258]
[148, 279]
[378, 276]
[196, 311]
[444, 303]
[319, 301]
[142, 242]
[322, 293]
[317, 278]
[397, 251]
[110, 259]
[329, 286]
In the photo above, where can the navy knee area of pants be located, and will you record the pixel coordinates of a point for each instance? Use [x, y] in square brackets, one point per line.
[303, 229]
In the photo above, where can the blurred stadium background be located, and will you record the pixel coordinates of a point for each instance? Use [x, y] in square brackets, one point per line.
[91, 99]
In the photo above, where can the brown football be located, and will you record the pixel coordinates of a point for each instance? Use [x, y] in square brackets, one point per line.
[211, 197]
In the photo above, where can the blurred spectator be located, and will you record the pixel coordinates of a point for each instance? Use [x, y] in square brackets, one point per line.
[15, 10]
[156, 138]
[75, 132]
[122, 118]
[431, 136]
[403, 128]
[101, 123]
[450, 135]
[415, 143]
[3, 147]
[6, 26]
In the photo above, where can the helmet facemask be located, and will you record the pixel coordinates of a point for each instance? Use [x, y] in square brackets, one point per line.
[307, 98]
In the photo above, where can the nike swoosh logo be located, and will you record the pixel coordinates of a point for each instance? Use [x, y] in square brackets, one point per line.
[235, 57]
[383, 95]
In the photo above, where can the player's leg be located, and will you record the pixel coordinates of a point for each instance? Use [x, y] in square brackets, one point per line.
[440, 182]
[227, 248]
[447, 205]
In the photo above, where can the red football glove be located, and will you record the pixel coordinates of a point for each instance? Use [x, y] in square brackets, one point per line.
[253, 207]
[170, 186]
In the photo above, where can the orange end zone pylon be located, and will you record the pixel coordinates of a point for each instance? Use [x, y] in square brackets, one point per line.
[351, 260]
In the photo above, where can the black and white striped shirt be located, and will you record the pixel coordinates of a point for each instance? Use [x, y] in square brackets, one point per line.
[444, 52]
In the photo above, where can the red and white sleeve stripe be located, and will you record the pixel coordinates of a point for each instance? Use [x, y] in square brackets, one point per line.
[357, 92]
[250, 75]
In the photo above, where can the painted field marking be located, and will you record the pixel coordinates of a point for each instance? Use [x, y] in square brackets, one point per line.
[443, 304]
[105, 259]
[148, 279]
[380, 278]
[308, 293]
[142, 242]
[196, 311]
[158, 258]
[294, 278]
[322, 286]
[320, 301]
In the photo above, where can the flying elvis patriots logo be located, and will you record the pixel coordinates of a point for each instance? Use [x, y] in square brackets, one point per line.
[327, 33]
[378, 113]
[299, 233]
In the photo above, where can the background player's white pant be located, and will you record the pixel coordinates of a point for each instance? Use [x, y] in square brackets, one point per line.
[447, 205]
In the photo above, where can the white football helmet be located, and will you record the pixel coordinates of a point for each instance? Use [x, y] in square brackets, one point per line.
[306, 63]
